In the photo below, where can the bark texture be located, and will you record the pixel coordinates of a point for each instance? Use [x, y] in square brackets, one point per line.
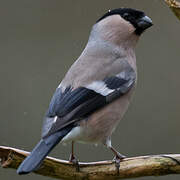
[153, 165]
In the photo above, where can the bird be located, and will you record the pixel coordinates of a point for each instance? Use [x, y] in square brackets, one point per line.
[96, 91]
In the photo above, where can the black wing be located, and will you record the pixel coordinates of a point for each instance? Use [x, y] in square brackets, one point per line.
[68, 107]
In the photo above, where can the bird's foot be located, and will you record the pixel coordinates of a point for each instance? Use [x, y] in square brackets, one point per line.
[117, 159]
[75, 162]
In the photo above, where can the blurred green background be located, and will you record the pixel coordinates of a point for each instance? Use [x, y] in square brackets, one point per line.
[39, 40]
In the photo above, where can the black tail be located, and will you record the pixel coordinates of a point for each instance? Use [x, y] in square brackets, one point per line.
[41, 150]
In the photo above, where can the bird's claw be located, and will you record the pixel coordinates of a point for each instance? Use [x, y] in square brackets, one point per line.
[75, 162]
[117, 159]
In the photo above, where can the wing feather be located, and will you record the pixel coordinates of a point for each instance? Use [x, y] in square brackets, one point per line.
[71, 105]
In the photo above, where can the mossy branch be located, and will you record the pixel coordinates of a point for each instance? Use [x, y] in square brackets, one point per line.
[130, 167]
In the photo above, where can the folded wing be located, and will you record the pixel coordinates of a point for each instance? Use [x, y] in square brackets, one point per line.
[71, 105]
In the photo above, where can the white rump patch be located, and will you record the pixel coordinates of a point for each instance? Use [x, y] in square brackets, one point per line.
[74, 134]
[100, 87]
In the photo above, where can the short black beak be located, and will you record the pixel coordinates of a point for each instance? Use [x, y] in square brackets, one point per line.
[145, 22]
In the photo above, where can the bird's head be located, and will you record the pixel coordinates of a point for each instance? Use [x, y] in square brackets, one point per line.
[122, 24]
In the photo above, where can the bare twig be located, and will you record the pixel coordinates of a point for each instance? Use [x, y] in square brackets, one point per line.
[130, 167]
[175, 7]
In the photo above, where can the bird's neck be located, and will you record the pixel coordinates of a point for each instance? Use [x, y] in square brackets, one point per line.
[109, 46]
[116, 35]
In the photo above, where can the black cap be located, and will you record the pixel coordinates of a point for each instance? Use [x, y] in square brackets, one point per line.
[135, 17]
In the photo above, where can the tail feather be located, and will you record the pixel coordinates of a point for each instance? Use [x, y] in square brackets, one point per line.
[41, 150]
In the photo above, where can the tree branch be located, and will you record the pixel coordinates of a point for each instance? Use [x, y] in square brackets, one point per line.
[175, 7]
[130, 167]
